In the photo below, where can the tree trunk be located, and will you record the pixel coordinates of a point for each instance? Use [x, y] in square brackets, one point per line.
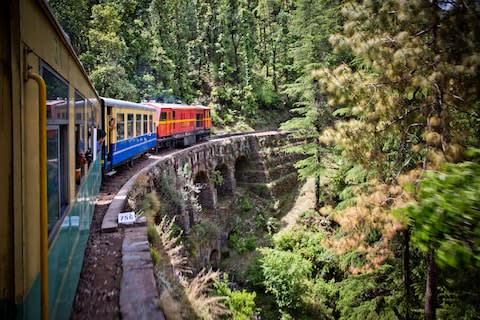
[406, 271]
[274, 62]
[317, 180]
[431, 287]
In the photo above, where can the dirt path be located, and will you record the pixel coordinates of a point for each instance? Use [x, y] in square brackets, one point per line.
[98, 289]
[304, 202]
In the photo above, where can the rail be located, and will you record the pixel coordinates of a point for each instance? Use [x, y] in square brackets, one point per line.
[42, 104]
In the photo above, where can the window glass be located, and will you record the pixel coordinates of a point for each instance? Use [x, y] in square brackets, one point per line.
[152, 124]
[145, 124]
[163, 116]
[138, 125]
[129, 126]
[57, 97]
[120, 126]
[199, 120]
[80, 145]
[57, 145]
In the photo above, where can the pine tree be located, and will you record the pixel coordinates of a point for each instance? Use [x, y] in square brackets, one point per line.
[411, 91]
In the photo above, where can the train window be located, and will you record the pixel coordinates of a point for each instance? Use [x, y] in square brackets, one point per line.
[129, 126]
[199, 120]
[145, 124]
[152, 124]
[120, 126]
[80, 145]
[57, 145]
[163, 116]
[138, 125]
[57, 96]
[80, 124]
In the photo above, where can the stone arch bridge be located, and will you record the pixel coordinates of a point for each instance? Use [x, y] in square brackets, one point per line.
[216, 169]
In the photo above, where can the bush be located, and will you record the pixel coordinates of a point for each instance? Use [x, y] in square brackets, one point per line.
[155, 256]
[286, 275]
[240, 303]
[152, 234]
[242, 245]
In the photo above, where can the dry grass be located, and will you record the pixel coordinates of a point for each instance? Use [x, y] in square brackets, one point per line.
[172, 246]
[172, 309]
[205, 306]
[181, 297]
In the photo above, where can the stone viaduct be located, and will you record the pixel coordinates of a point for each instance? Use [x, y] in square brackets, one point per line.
[217, 169]
[257, 161]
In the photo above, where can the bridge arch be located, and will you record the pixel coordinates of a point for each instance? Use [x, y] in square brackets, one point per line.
[224, 180]
[242, 165]
[206, 197]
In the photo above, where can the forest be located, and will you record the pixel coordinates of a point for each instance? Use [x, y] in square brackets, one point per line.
[388, 93]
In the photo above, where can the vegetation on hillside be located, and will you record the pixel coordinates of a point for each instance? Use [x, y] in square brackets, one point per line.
[389, 92]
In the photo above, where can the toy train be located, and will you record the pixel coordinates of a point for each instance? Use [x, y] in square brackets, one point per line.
[134, 128]
[58, 135]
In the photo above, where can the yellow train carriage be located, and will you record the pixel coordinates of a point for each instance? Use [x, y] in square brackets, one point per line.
[50, 168]
[131, 132]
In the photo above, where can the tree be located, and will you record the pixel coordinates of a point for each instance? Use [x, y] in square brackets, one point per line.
[73, 16]
[410, 91]
[285, 274]
[107, 54]
[312, 23]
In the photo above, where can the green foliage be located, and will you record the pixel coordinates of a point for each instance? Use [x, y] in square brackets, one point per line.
[447, 213]
[155, 255]
[286, 274]
[170, 198]
[73, 17]
[370, 296]
[240, 244]
[246, 204]
[240, 302]
[152, 234]
[216, 178]
[254, 274]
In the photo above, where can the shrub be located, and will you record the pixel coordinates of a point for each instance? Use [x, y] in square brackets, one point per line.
[286, 274]
[155, 255]
[152, 234]
[240, 303]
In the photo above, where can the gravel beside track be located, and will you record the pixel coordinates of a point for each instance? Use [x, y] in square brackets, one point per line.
[98, 290]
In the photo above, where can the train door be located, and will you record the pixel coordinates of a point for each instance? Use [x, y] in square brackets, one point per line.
[109, 138]
[170, 123]
[56, 173]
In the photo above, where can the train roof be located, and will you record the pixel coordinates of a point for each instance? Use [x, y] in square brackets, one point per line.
[126, 104]
[176, 106]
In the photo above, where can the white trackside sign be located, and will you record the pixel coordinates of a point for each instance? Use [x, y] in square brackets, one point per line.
[126, 217]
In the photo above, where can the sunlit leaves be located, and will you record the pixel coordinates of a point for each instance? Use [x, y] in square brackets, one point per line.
[447, 215]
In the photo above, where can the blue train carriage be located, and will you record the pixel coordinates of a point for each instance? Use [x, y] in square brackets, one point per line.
[131, 131]
[50, 169]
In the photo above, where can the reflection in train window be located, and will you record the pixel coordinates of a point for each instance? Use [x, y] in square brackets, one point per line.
[138, 125]
[57, 145]
[145, 124]
[129, 126]
[80, 122]
[120, 126]
[57, 96]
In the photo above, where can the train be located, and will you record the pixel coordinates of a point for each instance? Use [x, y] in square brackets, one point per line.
[58, 138]
[136, 128]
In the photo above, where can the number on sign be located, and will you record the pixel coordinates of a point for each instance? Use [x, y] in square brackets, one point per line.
[126, 217]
